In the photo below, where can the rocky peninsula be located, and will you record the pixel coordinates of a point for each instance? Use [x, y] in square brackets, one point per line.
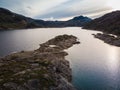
[108, 38]
[43, 69]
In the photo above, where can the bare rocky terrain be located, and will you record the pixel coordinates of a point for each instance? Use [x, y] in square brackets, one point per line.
[43, 69]
[108, 38]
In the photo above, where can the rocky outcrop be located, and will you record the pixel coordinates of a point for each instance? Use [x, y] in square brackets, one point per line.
[109, 39]
[41, 69]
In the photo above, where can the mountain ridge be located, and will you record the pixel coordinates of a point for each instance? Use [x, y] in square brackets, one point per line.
[109, 23]
[11, 20]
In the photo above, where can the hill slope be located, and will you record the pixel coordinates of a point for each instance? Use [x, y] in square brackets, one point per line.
[109, 23]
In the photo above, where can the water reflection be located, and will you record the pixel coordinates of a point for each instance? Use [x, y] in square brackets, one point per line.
[113, 60]
[113, 66]
[95, 65]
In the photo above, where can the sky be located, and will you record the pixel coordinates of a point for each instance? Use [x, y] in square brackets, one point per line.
[60, 9]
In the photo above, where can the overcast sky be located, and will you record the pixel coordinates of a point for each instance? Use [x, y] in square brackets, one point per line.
[60, 9]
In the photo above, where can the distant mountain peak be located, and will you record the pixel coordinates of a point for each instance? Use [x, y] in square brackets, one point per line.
[79, 17]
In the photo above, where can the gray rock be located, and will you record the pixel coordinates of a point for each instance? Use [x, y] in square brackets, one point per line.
[10, 85]
[33, 84]
[34, 65]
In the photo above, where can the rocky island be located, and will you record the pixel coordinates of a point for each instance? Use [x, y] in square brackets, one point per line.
[41, 69]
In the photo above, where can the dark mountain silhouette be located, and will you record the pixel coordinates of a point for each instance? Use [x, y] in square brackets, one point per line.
[109, 23]
[11, 20]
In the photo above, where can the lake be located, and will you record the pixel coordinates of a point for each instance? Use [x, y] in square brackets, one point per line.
[95, 65]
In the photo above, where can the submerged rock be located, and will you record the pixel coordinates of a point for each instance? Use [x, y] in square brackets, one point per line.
[41, 69]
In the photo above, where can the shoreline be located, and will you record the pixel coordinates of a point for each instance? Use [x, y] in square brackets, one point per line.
[108, 38]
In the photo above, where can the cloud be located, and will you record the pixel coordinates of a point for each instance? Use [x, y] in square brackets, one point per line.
[57, 9]
[30, 7]
[115, 4]
[76, 7]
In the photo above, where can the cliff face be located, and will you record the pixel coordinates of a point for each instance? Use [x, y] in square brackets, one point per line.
[11, 20]
[41, 69]
[109, 23]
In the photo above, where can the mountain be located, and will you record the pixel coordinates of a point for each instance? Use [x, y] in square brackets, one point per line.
[109, 23]
[11, 20]
[78, 21]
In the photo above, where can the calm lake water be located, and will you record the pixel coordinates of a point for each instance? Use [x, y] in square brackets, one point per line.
[95, 65]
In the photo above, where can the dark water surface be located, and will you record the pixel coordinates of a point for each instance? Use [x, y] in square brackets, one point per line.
[95, 65]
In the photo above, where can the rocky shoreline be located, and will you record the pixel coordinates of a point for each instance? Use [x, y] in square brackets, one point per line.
[41, 69]
[108, 38]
